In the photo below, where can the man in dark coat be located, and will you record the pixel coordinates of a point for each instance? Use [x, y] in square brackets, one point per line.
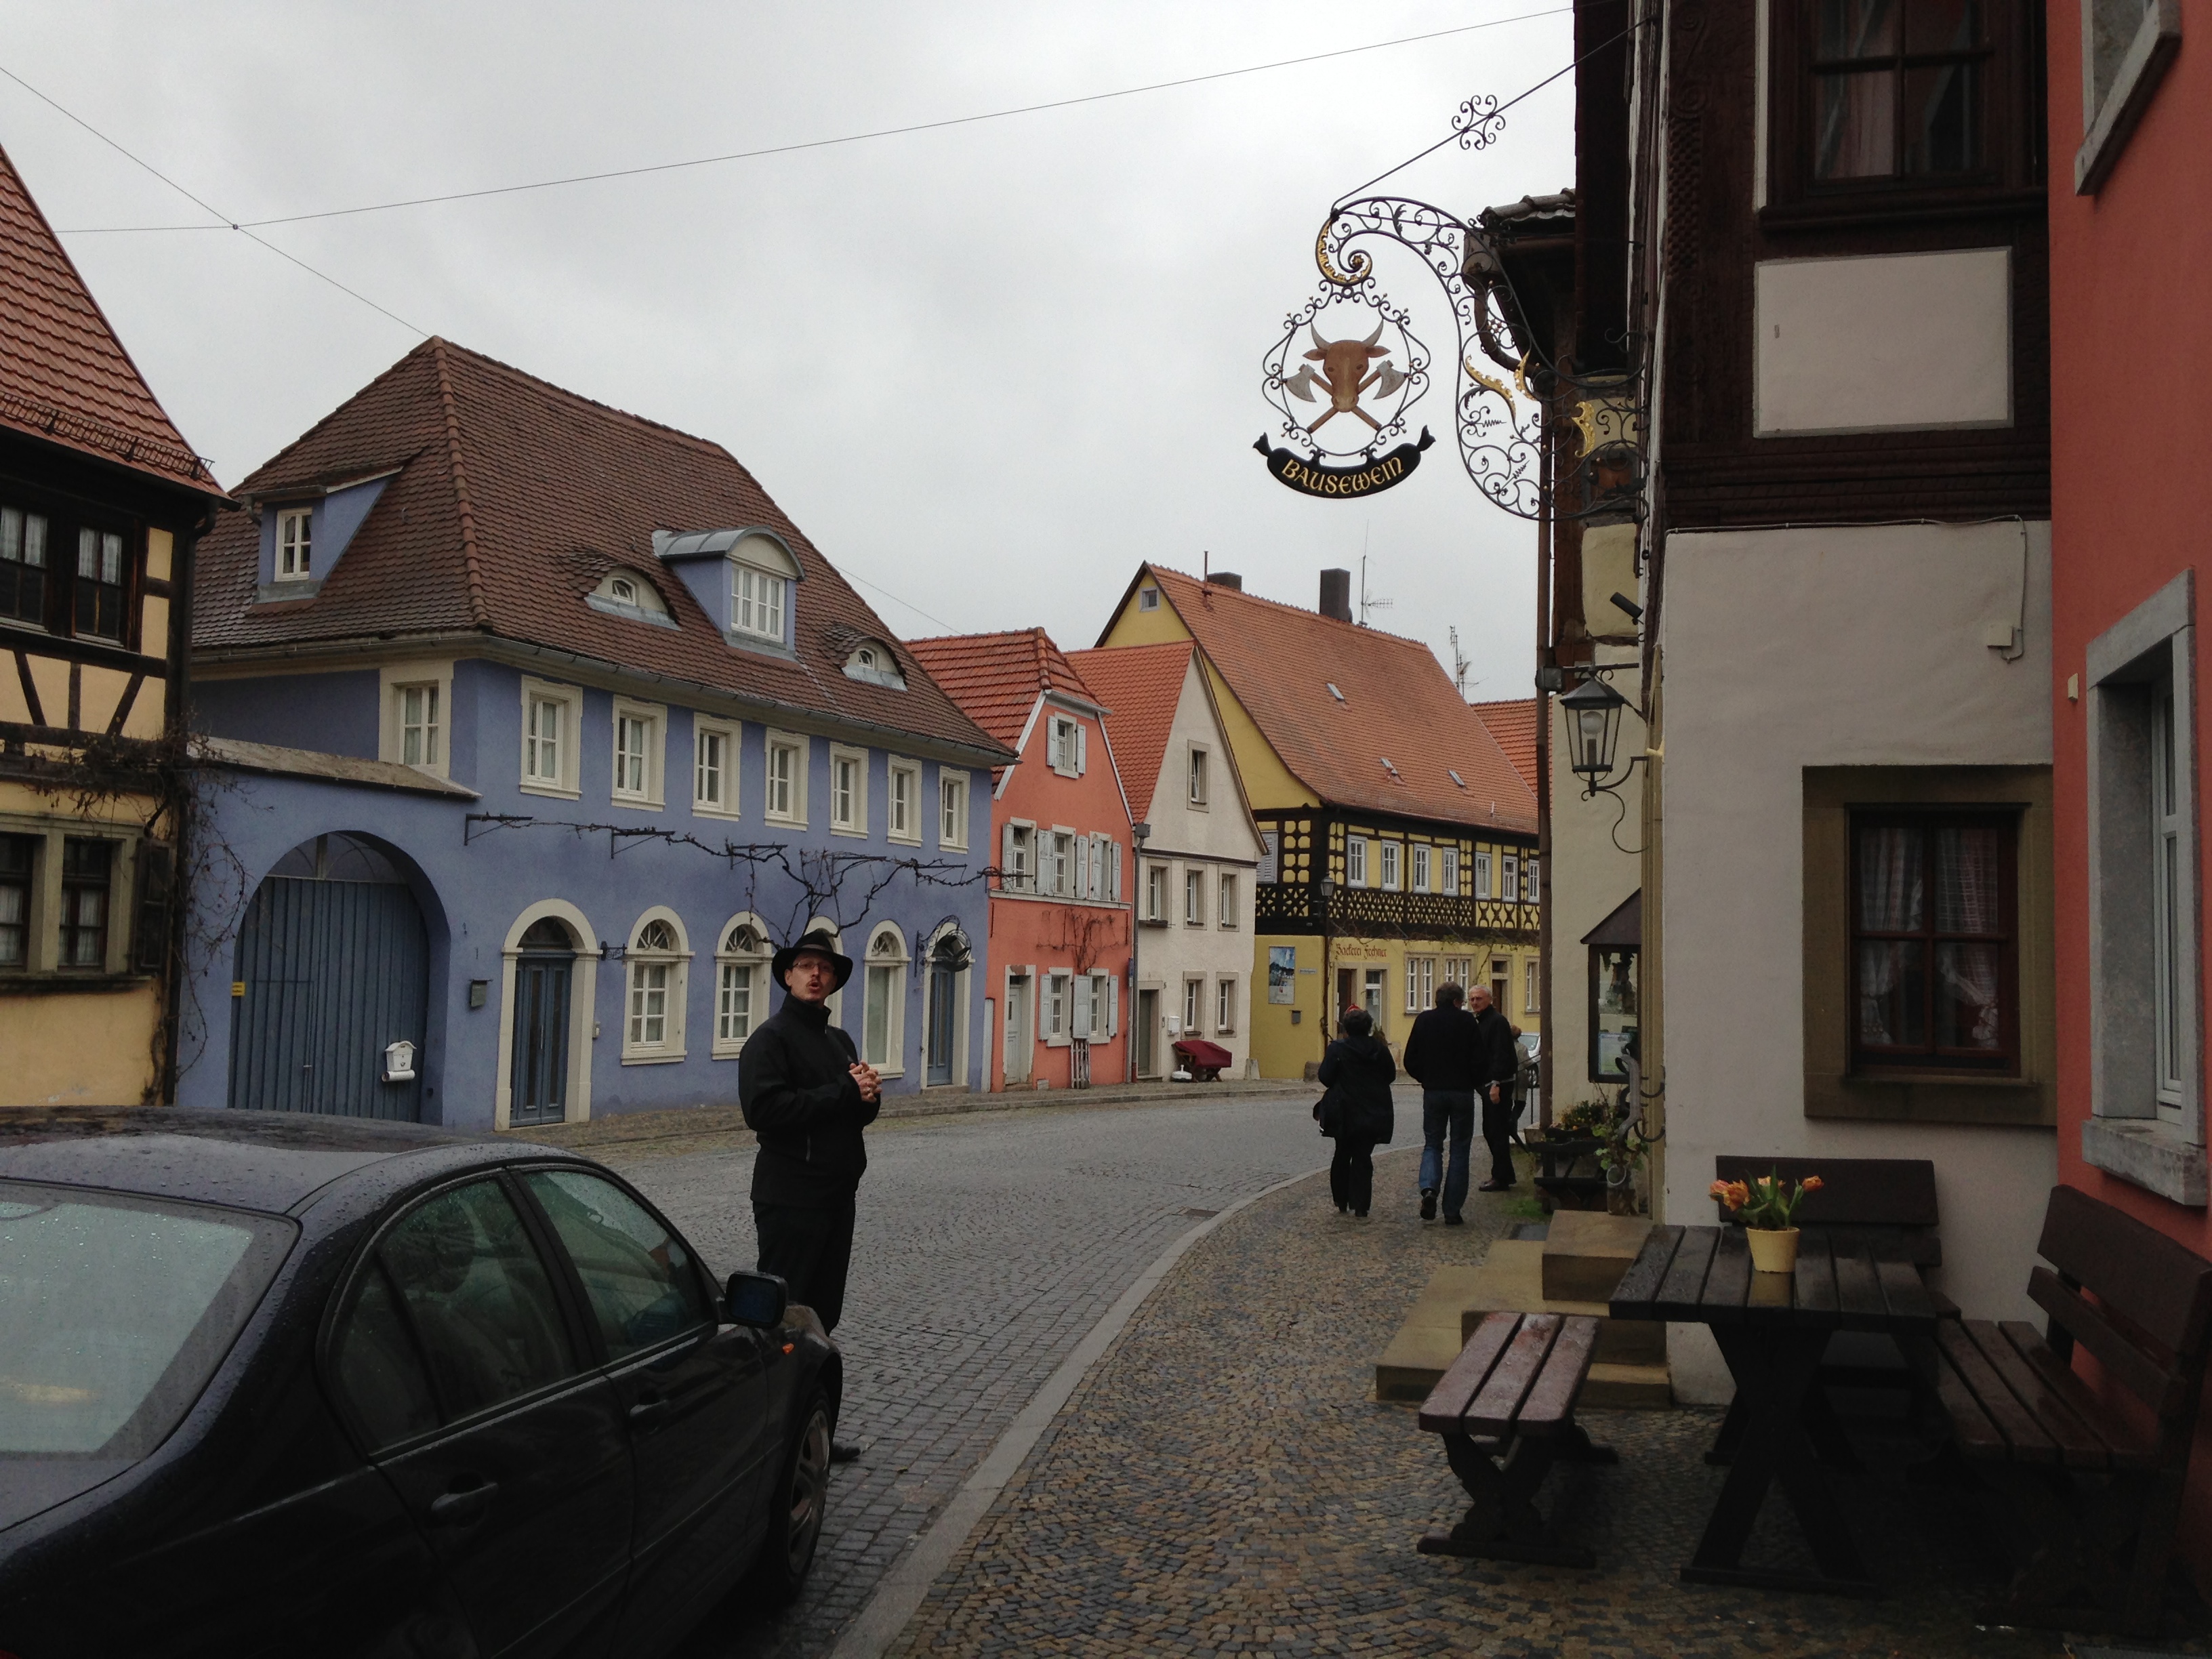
[807, 1095]
[1446, 1055]
[1500, 1066]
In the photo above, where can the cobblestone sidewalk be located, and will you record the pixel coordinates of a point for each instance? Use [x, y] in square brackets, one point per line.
[1223, 1483]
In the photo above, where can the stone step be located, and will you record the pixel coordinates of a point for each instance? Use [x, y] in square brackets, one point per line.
[1587, 1251]
[1512, 1279]
[1627, 1389]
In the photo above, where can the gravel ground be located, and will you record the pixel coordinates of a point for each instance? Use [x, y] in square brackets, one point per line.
[1222, 1483]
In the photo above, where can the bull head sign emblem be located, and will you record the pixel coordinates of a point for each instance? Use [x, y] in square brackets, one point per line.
[1343, 376]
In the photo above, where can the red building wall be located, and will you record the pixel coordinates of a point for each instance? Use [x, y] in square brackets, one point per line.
[1044, 935]
[2131, 396]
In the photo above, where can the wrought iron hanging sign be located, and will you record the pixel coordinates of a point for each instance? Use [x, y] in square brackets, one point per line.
[1326, 373]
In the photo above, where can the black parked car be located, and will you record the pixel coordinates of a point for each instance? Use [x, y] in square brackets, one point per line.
[272, 1384]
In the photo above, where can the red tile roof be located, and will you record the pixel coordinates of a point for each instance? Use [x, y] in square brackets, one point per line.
[63, 375]
[995, 678]
[1141, 684]
[511, 499]
[1513, 723]
[1398, 704]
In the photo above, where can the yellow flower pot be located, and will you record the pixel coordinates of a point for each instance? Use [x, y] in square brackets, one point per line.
[1773, 1249]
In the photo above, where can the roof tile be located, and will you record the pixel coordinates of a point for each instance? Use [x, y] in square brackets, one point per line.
[1513, 723]
[996, 678]
[1142, 686]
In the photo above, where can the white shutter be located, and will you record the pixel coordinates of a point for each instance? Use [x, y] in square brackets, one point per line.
[1006, 856]
[1081, 1025]
[1081, 747]
[1113, 1005]
[1114, 853]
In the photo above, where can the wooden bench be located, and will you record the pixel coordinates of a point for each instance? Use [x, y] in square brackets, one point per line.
[2097, 1487]
[1506, 1410]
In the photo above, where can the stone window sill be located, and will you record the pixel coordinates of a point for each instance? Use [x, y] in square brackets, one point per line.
[2146, 1153]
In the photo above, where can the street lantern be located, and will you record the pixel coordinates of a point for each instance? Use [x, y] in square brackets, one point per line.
[1593, 711]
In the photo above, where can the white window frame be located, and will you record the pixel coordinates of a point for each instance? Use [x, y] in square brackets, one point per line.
[895, 964]
[1224, 1005]
[754, 963]
[802, 760]
[635, 1050]
[732, 733]
[396, 677]
[1355, 860]
[952, 809]
[1227, 910]
[1485, 863]
[1391, 865]
[1422, 858]
[653, 717]
[1156, 892]
[1021, 868]
[295, 553]
[1065, 742]
[1060, 880]
[1197, 778]
[896, 772]
[566, 783]
[1509, 886]
[748, 611]
[1531, 881]
[1148, 598]
[1449, 883]
[1533, 973]
[849, 809]
[1194, 1005]
[1193, 896]
[1059, 996]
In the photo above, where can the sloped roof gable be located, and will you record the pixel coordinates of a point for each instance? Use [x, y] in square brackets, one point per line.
[1142, 685]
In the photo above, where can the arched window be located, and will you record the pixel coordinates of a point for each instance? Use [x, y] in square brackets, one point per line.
[741, 988]
[883, 1032]
[653, 1023]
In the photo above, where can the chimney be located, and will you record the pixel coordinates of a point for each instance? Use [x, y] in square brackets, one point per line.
[1336, 594]
[1226, 578]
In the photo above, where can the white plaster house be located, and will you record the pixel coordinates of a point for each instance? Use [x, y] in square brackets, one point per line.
[1197, 972]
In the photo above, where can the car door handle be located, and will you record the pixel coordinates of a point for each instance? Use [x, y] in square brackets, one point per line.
[648, 1412]
[463, 1505]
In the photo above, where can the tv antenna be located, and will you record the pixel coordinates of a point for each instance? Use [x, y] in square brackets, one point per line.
[1459, 665]
[1367, 604]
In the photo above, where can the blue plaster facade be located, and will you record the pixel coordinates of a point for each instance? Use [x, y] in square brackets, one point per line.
[478, 885]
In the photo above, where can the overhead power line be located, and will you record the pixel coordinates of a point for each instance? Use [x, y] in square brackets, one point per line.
[772, 150]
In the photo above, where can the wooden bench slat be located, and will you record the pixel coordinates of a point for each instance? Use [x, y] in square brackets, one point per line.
[1684, 1283]
[2158, 1387]
[1902, 1286]
[1728, 1282]
[1496, 1409]
[1858, 1292]
[1816, 1274]
[2079, 1446]
[1969, 1425]
[1464, 1377]
[2128, 1447]
[1550, 1406]
[2027, 1443]
[1640, 1285]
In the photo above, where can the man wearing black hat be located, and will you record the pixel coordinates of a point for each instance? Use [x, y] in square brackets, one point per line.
[807, 1095]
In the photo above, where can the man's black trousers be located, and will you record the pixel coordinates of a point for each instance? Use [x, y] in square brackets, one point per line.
[1498, 1120]
[809, 1248]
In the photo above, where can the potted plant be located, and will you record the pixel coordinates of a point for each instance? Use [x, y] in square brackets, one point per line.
[1768, 1207]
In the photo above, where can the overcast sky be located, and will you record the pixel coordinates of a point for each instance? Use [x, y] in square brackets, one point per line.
[987, 370]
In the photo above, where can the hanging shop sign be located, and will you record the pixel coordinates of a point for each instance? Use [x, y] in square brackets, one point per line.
[1315, 477]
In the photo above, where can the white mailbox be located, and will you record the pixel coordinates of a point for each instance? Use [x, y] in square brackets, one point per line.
[399, 1062]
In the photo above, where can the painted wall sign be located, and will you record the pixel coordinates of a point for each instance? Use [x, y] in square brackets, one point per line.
[1313, 479]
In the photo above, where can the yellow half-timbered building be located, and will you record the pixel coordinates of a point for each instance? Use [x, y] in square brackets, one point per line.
[100, 501]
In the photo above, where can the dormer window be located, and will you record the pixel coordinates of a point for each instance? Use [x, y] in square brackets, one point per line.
[294, 543]
[872, 663]
[626, 593]
[756, 603]
[745, 579]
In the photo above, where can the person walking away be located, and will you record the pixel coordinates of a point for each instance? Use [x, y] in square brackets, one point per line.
[1500, 1065]
[807, 1095]
[1446, 1055]
[1358, 1071]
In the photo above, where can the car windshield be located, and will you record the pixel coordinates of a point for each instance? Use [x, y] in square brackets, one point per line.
[115, 1311]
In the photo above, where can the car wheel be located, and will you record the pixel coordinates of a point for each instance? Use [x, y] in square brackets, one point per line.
[802, 1493]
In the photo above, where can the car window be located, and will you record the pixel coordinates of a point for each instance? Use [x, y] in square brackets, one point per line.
[114, 1313]
[637, 1273]
[478, 1299]
[379, 1366]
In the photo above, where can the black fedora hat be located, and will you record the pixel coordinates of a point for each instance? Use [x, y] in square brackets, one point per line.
[822, 945]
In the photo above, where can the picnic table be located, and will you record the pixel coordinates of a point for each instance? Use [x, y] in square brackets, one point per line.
[1772, 1329]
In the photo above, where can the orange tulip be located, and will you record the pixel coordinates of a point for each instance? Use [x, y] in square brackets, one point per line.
[1811, 1184]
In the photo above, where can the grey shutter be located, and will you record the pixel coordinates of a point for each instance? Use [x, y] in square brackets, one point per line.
[1006, 856]
[1114, 1006]
[1081, 747]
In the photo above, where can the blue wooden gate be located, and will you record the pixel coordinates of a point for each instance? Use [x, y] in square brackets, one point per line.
[332, 969]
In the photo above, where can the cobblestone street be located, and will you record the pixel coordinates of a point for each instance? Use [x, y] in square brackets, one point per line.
[987, 1245]
[1222, 1483]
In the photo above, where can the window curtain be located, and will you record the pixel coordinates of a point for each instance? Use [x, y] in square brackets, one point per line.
[1968, 900]
[1891, 897]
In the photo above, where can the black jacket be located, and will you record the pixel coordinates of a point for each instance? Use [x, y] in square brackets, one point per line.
[1359, 1072]
[1501, 1054]
[803, 1104]
[1446, 1050]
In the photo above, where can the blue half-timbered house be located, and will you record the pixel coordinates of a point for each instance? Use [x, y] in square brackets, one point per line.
[531, 728]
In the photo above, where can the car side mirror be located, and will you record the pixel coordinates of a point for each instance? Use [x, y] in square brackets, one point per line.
[755, 1299]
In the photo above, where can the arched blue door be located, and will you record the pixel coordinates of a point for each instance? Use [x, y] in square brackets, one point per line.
[333, 967]
[538, 1067]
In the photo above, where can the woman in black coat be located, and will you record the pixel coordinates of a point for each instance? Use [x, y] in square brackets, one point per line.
[1358, 1071]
